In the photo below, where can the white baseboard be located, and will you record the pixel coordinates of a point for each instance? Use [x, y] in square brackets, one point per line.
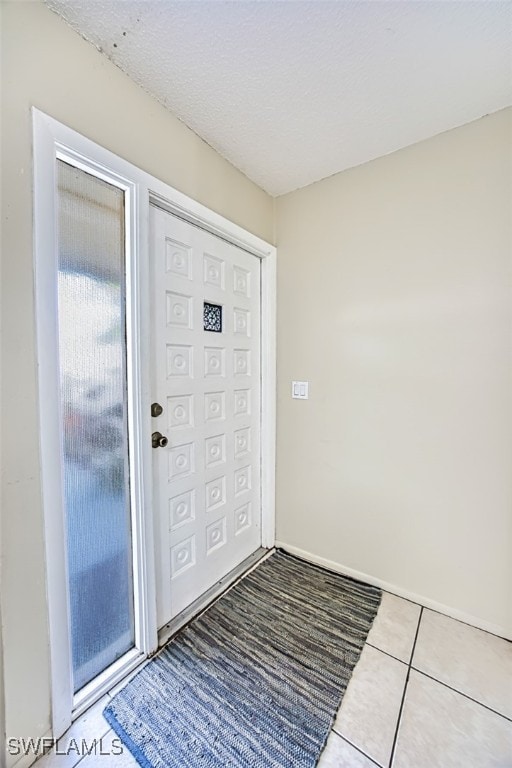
[426, 602]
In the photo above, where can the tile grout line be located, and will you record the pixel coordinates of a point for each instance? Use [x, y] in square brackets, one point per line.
[407, 599]
[437, 680]
[466, 623]
[461, 693]
[402, 703]
[358, 749]
[386, 653]
[446, 615]
[84, 757]
[81, 758]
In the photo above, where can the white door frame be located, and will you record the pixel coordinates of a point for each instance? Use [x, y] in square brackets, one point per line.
[52, 140]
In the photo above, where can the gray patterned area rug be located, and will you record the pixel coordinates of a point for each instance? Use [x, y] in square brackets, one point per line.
[256, 680]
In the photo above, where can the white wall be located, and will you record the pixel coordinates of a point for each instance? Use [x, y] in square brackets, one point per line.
[395, 301]
[46, 64]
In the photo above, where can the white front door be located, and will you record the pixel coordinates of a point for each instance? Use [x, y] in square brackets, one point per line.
[206, 378]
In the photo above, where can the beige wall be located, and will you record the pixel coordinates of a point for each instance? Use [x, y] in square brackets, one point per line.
[395, 301]
[46, 64]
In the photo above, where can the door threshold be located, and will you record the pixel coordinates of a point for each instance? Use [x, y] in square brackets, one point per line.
[205, 600]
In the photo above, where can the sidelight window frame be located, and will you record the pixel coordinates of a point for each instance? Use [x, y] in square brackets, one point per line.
[54, 142]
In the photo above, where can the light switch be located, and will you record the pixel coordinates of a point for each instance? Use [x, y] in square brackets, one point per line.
[300, 390]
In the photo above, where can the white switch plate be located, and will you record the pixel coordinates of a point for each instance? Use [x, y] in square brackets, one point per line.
[300, 390]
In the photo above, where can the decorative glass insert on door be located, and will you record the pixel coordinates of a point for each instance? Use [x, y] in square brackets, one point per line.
[212, 317]
[92, 349]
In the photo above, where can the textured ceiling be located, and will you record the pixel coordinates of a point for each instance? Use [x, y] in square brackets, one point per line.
[292, 91]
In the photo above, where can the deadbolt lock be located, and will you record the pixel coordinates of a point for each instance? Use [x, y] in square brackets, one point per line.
[158, 440]
[156, 409]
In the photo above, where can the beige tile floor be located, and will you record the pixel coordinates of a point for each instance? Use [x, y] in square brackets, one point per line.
[428, 692]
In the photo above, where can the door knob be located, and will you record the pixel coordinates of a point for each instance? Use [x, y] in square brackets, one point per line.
[158, 440]
[156, 409]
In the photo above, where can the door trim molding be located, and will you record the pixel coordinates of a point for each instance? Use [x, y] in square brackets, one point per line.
[50, 138]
